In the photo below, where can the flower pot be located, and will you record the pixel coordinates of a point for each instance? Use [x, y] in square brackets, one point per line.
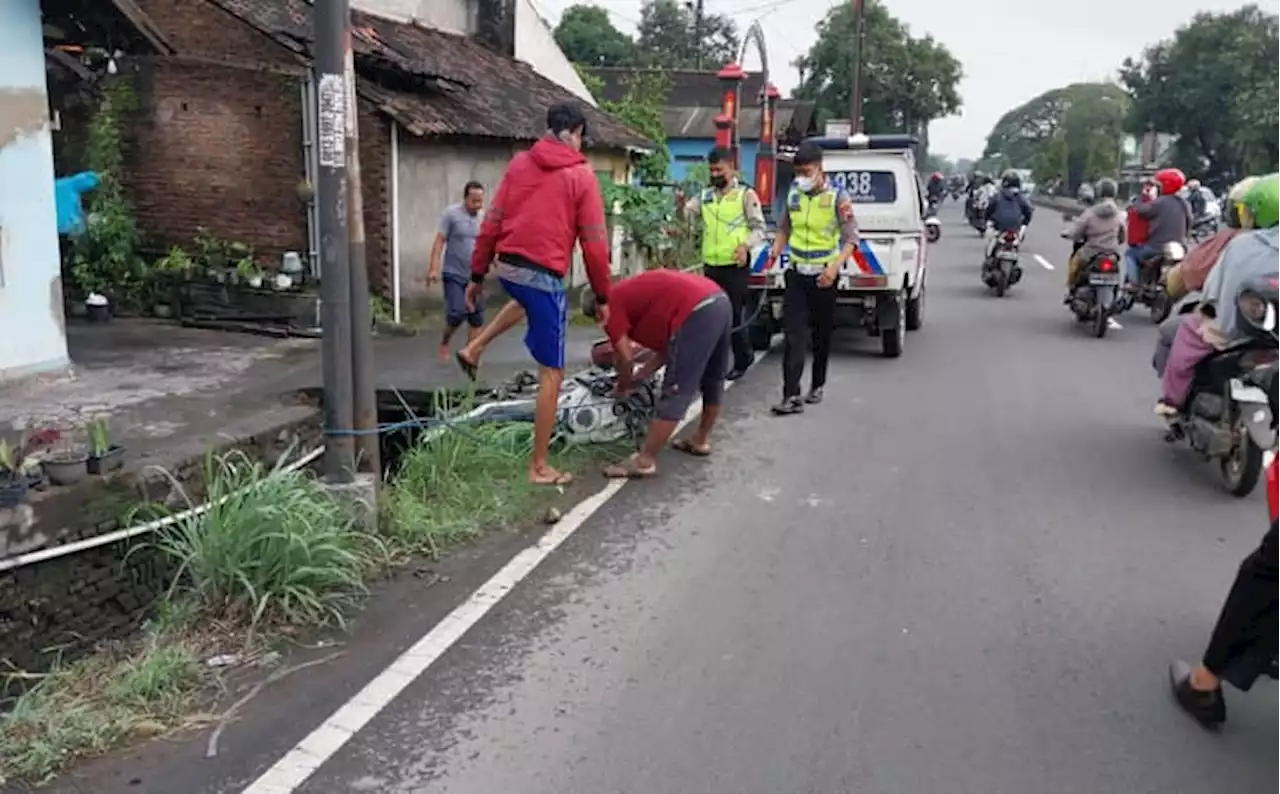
[283, 281]
[108, 461]
[162, 310]
[66, 468]
[98, 313]
[255, 282]
[13, 490]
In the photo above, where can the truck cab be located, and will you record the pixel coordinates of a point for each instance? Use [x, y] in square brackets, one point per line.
[881, 288]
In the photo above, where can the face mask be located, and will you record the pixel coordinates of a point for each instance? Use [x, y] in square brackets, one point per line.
[805, 183]
[718, 180]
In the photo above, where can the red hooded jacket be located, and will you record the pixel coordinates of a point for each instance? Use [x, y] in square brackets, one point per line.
[1138, 228]
[548, 200]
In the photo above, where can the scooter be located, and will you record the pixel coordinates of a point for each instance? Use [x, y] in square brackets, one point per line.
[1001, 271]
[1093, 299]
[932, 226]
[1150, 289]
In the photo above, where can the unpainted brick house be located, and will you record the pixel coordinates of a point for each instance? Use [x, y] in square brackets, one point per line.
[222, 134]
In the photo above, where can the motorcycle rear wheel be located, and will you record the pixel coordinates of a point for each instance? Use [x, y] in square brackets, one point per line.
[1241, 469]
[1100, 323]
[1002, 283]
[1160, 308]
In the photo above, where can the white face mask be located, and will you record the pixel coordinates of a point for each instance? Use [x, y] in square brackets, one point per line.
[806, 183]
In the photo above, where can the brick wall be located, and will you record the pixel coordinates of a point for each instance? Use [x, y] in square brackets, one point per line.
[375, 171]
[219, 147]
[65, 607]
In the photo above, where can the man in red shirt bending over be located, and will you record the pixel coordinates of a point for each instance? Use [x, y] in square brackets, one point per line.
[686, 320]
[548, 200]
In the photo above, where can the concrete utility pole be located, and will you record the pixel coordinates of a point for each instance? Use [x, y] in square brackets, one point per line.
[364, 374]
[855, 82]
[698, 12]
[331, 22]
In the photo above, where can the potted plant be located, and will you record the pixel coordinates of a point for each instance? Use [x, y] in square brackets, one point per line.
[98, 308]
[103, 455]
[249, 272]
[16, 466]
[66, 465]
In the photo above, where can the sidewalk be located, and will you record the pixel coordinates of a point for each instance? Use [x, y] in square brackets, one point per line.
[169, 392]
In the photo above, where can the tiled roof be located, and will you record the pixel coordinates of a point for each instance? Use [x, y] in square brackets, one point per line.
[464, 88]
[688, 88]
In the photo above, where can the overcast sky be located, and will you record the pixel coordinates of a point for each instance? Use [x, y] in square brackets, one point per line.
[1011, 51]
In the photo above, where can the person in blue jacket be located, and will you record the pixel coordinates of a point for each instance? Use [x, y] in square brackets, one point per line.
[1008, 211]
[67, 193]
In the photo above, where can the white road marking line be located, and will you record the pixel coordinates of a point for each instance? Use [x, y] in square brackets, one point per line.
[1044, 263]
[1113, 325]
[298, 765]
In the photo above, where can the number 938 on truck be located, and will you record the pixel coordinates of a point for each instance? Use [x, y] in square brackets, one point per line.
[881, 287]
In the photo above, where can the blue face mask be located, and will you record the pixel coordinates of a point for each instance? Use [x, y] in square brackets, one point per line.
[805, 184]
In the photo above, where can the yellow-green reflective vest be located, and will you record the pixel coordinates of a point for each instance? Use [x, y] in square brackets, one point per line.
[724, 226]
[815, 226]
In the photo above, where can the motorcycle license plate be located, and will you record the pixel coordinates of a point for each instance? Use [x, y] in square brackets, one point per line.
[1007, 256]
[1104, 279]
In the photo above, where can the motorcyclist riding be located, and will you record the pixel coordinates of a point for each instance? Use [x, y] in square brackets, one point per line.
[1190, 274]
[1008, 211]
[1169, 217]
[1249, 256]
[1097, 230]
[1195, 198]
[936, 187]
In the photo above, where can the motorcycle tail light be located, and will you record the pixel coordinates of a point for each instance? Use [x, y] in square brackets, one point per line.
[1107, 266]
[1273, 489]
[1010, 236]
[758, 280]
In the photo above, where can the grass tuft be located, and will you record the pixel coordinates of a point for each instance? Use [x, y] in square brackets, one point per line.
[273, 545]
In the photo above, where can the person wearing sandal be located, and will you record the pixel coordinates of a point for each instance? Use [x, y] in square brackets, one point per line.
[687, 321]
[548, 200]
[819, 228]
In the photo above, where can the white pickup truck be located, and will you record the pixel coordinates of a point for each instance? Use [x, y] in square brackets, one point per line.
[882, 286]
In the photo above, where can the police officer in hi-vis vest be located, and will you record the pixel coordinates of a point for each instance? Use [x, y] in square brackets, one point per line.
[732, 224]
[819, 228]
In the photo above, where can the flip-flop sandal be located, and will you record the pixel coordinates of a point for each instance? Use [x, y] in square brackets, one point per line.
[562, 479]
[686, 446]
[628, 470]
[468, 368]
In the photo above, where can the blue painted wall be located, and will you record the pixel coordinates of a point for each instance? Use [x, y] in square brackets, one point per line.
[694, 150]
[32, 334]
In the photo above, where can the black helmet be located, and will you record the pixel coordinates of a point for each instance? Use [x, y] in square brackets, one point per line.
[1106, 188]
[1010, 178]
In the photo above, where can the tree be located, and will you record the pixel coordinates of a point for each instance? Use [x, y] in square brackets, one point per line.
[587, 36]
[1214, 86]
[1072, 133]
[907, 82]
[668, 37]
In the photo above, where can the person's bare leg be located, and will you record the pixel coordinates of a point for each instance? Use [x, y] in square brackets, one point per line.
[445, 338]
[544, 425]
[510, 315]
[701, 440]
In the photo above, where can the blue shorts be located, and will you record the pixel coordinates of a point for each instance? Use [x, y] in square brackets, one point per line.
[455, 304]
[547, 314]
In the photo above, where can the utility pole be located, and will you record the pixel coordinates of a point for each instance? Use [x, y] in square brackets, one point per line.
[365, 405]
[331, 23]
[697, 34]
[855, 82]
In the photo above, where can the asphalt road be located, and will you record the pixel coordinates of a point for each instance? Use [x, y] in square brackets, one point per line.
[964, 573]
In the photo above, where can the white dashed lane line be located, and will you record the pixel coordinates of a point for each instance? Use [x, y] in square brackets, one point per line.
[1045, 263]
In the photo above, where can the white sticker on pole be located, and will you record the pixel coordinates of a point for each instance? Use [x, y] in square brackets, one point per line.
[331, 117]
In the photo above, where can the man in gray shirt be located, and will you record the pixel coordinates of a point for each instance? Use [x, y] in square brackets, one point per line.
[455, 240]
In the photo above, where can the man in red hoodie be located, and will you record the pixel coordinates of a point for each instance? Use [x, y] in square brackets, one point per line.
[547, 201]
